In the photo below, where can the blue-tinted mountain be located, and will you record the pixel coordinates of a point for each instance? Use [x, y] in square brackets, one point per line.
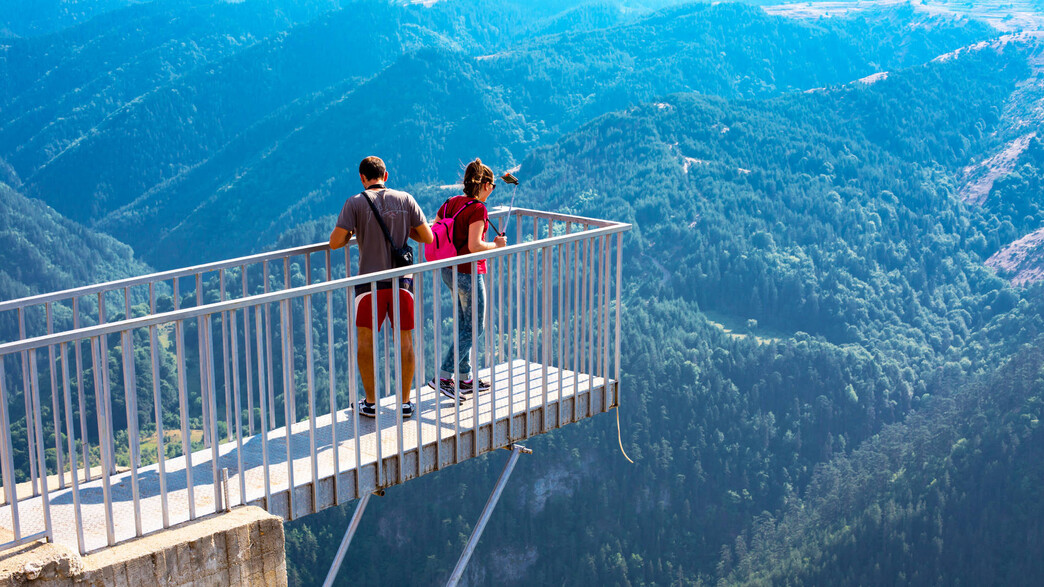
[39, 17]
[66, 94]
[591, 16]
[300, 163]
[109, 90]
[41, 251]
[728, 50]
[250, 110]
[169, 88]
[82, 75]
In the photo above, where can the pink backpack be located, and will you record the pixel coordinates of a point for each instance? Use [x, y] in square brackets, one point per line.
[442, 247]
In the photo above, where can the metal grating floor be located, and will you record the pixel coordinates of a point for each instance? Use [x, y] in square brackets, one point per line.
[519, 406]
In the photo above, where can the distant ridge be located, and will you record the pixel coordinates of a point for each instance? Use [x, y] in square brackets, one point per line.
[42, 251]
[41, 17]
[138, 149]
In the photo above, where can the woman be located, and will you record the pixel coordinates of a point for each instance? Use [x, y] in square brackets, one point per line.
[471, 220]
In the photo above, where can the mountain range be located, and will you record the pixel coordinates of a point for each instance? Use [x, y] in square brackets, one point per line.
[279, 120]
[831, 313]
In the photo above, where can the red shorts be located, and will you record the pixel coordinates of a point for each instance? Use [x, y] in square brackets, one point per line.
[385, 309]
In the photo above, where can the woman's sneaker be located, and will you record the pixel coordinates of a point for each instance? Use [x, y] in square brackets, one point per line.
[367, 409]
[468, 386]
[445, 386]
[407, 409]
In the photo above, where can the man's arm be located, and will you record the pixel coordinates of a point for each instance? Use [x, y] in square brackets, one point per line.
[340, 237]
[420, 233]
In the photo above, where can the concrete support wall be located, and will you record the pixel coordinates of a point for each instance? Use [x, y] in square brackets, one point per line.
[241, 547]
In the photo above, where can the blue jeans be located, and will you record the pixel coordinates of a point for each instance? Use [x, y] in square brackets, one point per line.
[465, 299]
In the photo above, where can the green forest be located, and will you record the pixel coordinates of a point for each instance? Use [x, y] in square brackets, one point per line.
[825, 382]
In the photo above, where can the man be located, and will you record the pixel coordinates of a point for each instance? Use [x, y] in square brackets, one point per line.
[403, 217]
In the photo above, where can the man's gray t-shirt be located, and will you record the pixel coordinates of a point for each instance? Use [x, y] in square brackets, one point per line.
[400, 213]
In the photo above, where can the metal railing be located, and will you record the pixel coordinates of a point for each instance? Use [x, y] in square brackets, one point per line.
[74, 308]
[249, 387]
[71, 309]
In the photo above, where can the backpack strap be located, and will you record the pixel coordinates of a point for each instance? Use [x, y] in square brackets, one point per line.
[454, 219]
[457, 213]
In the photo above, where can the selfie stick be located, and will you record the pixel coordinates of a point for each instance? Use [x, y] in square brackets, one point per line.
[508, 178]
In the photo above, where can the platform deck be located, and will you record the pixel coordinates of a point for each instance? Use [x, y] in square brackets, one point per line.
[527, 399]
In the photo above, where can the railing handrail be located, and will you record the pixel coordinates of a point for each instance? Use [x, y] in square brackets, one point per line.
[607, 227]
[76, 292]
[159, 276]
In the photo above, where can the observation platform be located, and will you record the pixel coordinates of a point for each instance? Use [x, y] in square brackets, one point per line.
[227, 384]
[432, 439]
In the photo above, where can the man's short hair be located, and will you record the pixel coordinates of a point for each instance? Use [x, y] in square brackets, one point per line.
[372, 168]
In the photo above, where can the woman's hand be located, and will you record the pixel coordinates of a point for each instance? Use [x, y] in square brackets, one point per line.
[500, 241]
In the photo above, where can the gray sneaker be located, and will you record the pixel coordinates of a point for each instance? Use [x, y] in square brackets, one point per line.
[445, 386]
[468, 386]
[367, 409]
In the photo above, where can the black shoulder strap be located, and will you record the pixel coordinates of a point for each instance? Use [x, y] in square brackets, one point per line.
[380, 221]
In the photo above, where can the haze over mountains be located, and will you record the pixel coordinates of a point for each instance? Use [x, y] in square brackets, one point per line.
[274, 120]
[825, 382]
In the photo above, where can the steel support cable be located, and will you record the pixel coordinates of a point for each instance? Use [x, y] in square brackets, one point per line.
[619, 304]
[619, 438]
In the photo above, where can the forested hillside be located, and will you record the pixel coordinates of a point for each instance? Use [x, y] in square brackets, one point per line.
[949, 497]
[41, 251]
[828, 376]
